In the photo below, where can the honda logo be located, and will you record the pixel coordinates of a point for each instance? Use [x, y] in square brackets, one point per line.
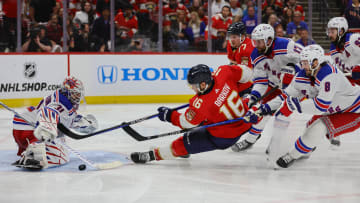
[107, 74]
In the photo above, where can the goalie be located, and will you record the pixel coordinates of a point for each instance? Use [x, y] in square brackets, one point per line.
[40, 145]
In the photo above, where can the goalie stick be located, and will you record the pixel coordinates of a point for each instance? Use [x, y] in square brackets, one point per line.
[78, 136]
[99, 166]
[139, 137]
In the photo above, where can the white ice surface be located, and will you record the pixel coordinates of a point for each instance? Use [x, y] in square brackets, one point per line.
[218, 176]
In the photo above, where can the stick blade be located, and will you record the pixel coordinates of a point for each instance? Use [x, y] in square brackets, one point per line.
[133, 133]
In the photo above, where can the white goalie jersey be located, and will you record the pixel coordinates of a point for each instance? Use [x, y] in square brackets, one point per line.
[55, 107]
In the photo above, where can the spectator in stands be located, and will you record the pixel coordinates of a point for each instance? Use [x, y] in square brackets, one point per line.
[250, 20]
[79, 38]
[220, 24]
[170, 12]
[196, 30]
[135, 46]
[195, 5]
[273, 20]
[292, 4]
[175, 36]
[249, 3]
[105, 4]
[54, 30]
[352, 15]
[236, 11]
[40, 10]
[297, 23]
[183, 36]
[101, 31]
[268, 11]
[37, 41]
[8, 33]
[202, 16]
[146, 12]
[217, 5]
[86, 15]
[126, 26]
[277, 6]
[304, 38]
[279, 30]
[287, 17]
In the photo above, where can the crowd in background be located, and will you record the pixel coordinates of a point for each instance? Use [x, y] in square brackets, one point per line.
[185, 23]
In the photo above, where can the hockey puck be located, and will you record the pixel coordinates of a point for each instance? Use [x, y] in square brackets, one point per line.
[82, 167]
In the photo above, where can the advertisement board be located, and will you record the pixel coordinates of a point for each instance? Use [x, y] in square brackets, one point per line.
[31, 76]
[124, 75]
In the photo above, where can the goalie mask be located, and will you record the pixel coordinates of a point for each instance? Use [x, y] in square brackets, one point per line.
[199, 74]
[73, 89]
[311, 53]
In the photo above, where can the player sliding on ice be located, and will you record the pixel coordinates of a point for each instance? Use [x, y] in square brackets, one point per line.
[217, 99]
[333, 100]
[41, 147]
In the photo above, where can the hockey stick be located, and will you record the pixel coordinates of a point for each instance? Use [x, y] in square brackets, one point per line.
[139, 137]
[79, 136]
[143, 138]
[99, 166]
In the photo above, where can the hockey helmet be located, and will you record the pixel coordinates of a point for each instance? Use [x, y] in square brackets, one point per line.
[198, 74]
[263, 32]
[310, 54]
[338, 23]
[237, 28]
[74, 89]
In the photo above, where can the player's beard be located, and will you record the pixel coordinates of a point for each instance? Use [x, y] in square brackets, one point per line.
[261, 51]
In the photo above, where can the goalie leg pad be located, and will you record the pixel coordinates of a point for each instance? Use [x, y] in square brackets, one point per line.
[23, 138]
[56, 154]
[34, 157]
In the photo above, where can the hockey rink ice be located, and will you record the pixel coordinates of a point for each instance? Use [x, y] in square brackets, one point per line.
[328, 176]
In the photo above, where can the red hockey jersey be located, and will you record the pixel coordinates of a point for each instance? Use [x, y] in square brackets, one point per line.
[241, 55]
[221, 103]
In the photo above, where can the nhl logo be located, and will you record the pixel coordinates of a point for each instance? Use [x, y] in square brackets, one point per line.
[29, 70]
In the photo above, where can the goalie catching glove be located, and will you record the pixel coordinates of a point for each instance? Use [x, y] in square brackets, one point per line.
[85, 124]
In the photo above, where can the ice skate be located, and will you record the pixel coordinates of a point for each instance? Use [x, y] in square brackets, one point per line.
[243, 145]
[285, 161]
[142, 157]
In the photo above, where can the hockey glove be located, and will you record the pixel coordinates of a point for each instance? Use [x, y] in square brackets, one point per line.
[290, 105]
[286, 79]
[46, 128]
[356, 72]
[165, 113]
[254, 115]
[250, 100]
[85, 124]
